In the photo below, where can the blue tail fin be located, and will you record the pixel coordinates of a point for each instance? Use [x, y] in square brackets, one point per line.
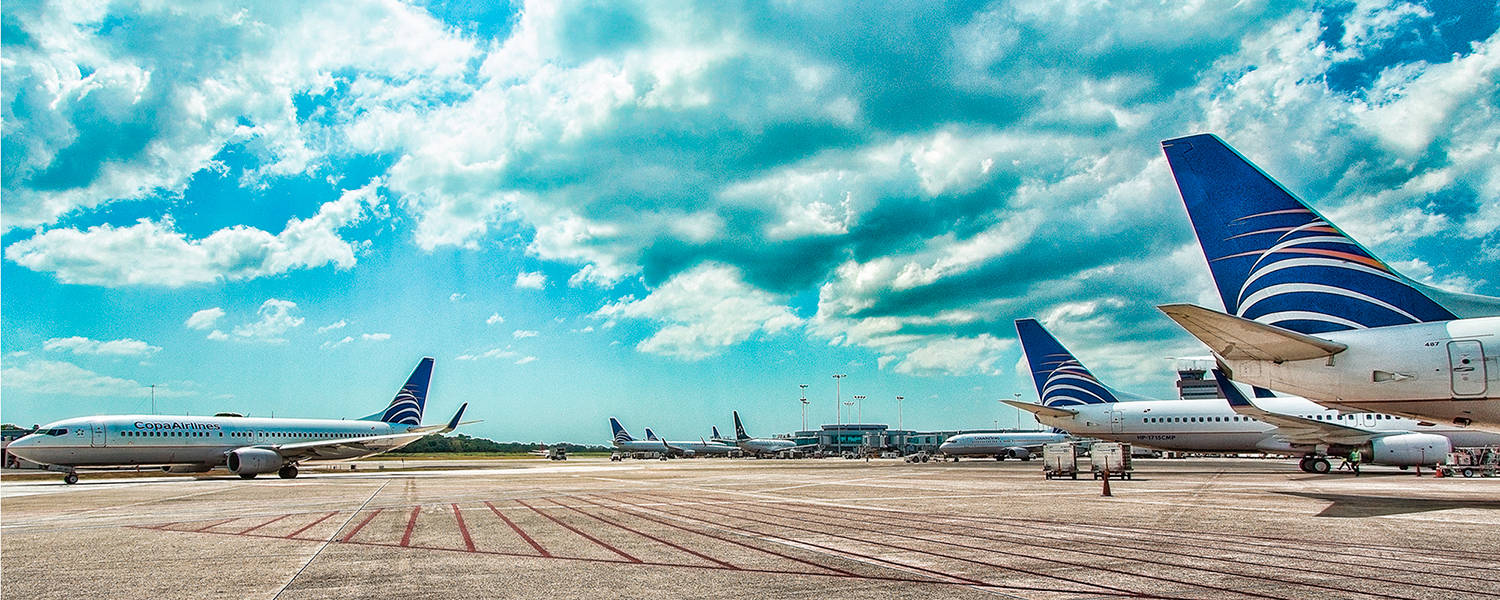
[620, 434]
[739, 429]
[406, 408]
[650, 435]
[1060, 379]
[716, 435]
[1277, 261]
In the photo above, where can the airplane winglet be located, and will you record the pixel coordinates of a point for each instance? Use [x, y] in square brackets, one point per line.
[454, 422]
[1236, 398]
[1046, 411]
[1237, 338]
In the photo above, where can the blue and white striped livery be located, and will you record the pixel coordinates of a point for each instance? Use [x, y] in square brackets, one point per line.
[1277, 261]
[1060, 378]
[406, 408]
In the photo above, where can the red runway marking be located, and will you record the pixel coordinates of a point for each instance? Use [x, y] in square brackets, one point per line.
[648, 536]
[310, 525]
[360, 526]
[538, 547]
[724, 539]
[410, 523]
[214, 524]
[585, 535]
[245, 531]
[464, 529]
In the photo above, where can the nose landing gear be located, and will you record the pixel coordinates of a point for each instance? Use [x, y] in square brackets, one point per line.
[288, 472]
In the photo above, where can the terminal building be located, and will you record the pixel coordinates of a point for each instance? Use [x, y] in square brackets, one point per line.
[853, 437]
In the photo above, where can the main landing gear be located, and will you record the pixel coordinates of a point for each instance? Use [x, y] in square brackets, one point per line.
[70, 478]
[1314, 464]
[288, 472]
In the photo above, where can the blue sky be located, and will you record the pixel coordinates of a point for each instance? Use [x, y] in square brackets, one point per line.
[665, 211]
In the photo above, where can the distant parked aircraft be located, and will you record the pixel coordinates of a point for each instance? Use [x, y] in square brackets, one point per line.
[248, 446]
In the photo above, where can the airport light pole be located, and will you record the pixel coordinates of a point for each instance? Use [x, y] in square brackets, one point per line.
[838, 398]
[841, 428]
[804, 405]
[859, 405]
[153, 398]
[1018, 411]
[900, 420]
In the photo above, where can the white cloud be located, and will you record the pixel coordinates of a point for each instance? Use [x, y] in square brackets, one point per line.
[455, 297]
[499, 353]
[702, 311]
[523, 333]
[275, 320]
[329, 345]
[340, 324]
[83, 345]
[375, 337]
[531, 280]
[155, 253]
[57, 378]
[525, 360]
[85, 97]
[349, 339]
[495, 319]
[205, 319]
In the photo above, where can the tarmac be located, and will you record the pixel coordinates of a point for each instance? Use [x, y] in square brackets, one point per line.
[708, 528]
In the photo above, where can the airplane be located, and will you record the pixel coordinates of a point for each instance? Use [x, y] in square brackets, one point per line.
[623, 441]
[1309, 311]
[716, 437]
[1074, 400]
[1021, 444]
[247, 446]
[762, 446]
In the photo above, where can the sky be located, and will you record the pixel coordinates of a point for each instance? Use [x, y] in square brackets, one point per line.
[664, 211]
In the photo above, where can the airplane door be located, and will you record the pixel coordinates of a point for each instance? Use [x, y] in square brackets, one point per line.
[99, 441]
[1116, 421]
[1466, 363]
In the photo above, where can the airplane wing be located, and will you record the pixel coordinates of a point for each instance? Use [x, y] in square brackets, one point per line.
[340, 448]
[1292, 428]
[1237, 338]
[1048, 411]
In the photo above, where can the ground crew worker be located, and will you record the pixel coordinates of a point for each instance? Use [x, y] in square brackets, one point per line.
[1354, 461]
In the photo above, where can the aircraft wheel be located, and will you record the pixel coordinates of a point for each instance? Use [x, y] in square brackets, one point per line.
[1305, 464]
[288, 472]
[1318, 465]
[70, 478]
[248, 475]
[1025, 459]
[1468, 472]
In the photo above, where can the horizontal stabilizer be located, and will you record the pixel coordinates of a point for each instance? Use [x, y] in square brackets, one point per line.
[1045, 411]
[1292, 428]
[1236, 338]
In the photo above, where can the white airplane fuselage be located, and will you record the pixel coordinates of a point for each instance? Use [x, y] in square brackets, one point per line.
[999, 445]
[1212, 426]
[765, 445]
[1445, 371]
[153, 440]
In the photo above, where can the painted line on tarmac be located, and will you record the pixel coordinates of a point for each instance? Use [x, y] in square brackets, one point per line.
[516, 528]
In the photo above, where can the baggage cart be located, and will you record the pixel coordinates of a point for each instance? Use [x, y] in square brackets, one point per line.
[1060, 460]
[1112, 458]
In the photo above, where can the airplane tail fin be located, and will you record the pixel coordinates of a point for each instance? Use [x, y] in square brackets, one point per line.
[1061, 380]
[650, 435]
[1276, 260]
[620, 434]
[739, 428]
[406, 407]
[715, 435]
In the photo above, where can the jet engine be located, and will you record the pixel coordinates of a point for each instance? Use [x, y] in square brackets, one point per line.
[1020, 453]
[254, 461]
[1409, 449]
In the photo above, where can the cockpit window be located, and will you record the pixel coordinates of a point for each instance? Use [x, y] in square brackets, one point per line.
[56, 431]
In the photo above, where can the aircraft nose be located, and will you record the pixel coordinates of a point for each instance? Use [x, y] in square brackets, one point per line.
[23, 447]
[945, 445]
